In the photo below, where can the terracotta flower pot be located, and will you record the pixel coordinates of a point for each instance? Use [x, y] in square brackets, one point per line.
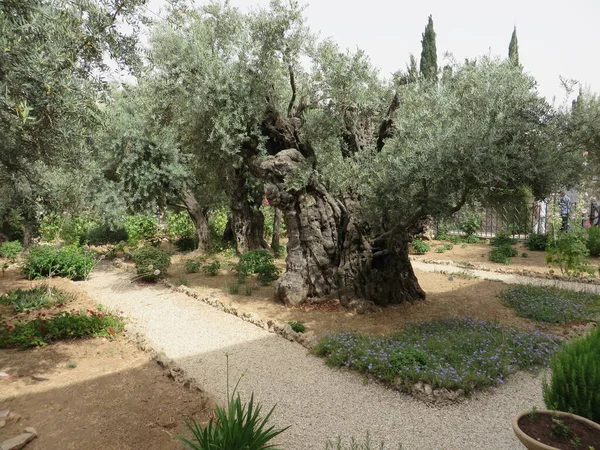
[531, 443]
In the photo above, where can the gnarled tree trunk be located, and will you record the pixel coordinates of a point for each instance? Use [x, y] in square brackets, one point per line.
[199, 217]
[247, 221]
[329, 252]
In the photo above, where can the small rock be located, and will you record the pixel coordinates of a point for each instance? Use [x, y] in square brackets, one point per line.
[427, 389]
[31, 430]
[2, 423]
[4, 413]
[18, 442]
[13, 417]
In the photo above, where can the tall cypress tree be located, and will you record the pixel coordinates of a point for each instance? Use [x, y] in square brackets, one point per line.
[428, 67]
[513, 48]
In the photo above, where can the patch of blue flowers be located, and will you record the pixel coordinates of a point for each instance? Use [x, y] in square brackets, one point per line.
[453, 353]
[553, 305]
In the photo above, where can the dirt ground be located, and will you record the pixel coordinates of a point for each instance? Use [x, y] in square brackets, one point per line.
[446, 296]
[94, 393]
[534, 261]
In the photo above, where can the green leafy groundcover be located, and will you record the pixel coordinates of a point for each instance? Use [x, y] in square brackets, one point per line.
[453, 353]
[69, 261]
[63, 325]
[553, 305]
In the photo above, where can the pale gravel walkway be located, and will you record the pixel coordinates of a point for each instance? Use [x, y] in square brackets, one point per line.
[506, 277]
[317, 401]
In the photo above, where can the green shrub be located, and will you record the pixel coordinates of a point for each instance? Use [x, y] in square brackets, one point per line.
[575, 378]
[232, 288]
[298, 327]
[472, 239]
[74, 229]
[236, 427]
[179, 225]
[419, 247]
[151, 263]
[60, 326]
[267, 272]
[142, 228]
[47, 261]
[593, 241]
[536, 242]
[250, 262]
[186, 244]
[553, 305]
[105, 234]
[502, 238]
[443, 248]
[568, 251]
[449, 353]
[10, 250]
[35, 298]
[192, 265]
[471, 224]
[212, 269]
[503, 253]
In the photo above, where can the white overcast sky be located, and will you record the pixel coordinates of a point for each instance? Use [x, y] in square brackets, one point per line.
[555, 37]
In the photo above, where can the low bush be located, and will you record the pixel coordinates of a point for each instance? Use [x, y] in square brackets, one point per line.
[60, 326]
[419, 247]
[142, 227]
[47, 261]
[503, 253]
[187, 243]
[298, 327]
[471, 224]
[151, 263]
[267, 272]
[105, 234]
[502, 238]
[575, 377]
[553, 305]
[593, 241]
[257, 261]
[569, 252]
[212, 269]
[10, 250]
[450, 353]
[239, 426]
[536, 242]
[443, 248]
[193, 265]
[35, 298]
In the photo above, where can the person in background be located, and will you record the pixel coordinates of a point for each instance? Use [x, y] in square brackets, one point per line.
[565, 210]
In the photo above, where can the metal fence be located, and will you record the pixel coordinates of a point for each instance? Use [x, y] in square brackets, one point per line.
[520, 220]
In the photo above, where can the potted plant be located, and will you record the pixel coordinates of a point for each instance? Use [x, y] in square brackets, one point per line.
[574, 386]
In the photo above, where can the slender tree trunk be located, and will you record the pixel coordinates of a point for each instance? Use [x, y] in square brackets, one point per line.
[198, 216]
[329, 252]
[277, 217]
[247, 221]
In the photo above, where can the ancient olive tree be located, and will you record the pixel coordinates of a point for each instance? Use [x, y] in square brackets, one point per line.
[356, 164]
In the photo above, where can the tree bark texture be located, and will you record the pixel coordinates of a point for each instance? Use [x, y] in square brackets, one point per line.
[247, 221]
[329, 252]
[199, 217]
[277, 218]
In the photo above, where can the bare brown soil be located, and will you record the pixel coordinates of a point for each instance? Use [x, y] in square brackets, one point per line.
[446, 296]
[94, 393]
[580, 435]
[534, 261]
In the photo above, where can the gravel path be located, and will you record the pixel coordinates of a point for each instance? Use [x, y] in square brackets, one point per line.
[506, 277]
[318, 402]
